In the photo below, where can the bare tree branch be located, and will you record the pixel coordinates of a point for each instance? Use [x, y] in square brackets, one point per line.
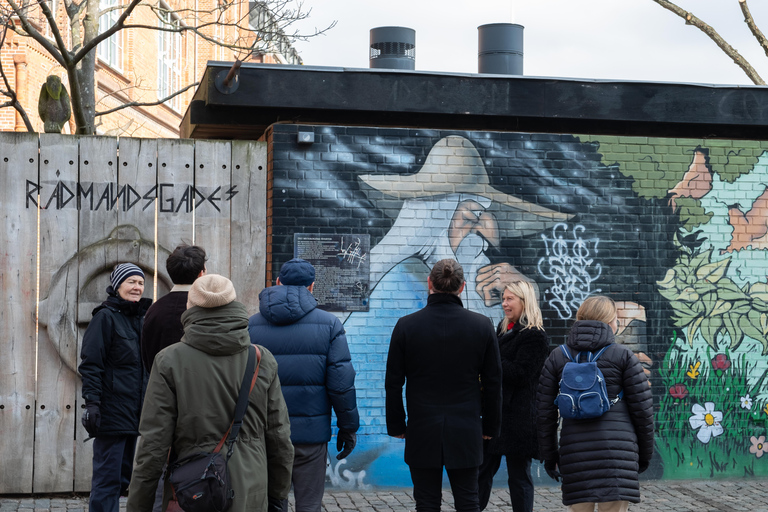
[9, 91]
[92, 43]
[750, 21]
[149, 104]
[32, 32]
[729, 50]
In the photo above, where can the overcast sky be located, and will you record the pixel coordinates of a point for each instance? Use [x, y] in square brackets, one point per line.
[607, 39]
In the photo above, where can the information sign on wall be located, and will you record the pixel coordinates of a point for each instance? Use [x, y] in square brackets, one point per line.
[342, 269]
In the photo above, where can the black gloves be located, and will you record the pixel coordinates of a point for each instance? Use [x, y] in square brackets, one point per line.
[346, 440]
[643, 465]
[550, 466]
[274, 504]
[92, 418]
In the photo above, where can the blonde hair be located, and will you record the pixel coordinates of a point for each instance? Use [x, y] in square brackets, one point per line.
[531, 316]
[599, 308]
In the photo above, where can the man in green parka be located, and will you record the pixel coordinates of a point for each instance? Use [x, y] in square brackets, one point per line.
[190, 402]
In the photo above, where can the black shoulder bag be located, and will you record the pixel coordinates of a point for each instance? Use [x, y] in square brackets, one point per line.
[200, 481]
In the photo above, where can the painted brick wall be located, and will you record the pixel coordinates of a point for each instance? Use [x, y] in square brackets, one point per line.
[674, 230]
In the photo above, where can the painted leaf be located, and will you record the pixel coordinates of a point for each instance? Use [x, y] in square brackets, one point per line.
[688, 295]
[712, 272]
[759, 291]
[669, 279]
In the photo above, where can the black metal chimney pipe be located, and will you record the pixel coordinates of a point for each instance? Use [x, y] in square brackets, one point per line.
[500, 49]
[393, 48]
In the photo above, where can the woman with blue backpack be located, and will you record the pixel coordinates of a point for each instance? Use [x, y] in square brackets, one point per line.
[601, 393]
[524, 347]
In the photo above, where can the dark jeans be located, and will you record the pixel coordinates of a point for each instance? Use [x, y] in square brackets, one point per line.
[112, 469]
[428, 488]
[308, 477]
[520, 481]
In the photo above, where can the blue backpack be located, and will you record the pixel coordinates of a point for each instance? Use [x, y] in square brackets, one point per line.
[582, 387]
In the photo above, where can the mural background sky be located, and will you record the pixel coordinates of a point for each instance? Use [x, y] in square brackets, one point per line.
[604, 39]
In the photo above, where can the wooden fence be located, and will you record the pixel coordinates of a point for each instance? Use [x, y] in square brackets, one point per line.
[72, 208]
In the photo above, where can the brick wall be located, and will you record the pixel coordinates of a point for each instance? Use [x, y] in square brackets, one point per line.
[674, 230]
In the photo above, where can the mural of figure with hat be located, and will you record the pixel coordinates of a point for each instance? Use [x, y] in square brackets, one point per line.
[449, 210]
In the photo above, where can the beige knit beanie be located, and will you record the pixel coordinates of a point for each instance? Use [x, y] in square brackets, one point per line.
[211, 291]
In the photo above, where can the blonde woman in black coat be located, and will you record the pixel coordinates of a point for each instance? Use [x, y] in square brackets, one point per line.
[599, 458]
[524, 348]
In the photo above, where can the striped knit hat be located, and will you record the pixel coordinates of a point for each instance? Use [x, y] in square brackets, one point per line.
[122, 272]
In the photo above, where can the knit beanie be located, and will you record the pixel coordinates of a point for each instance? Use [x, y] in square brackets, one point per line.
[211, 291]
[122, 272]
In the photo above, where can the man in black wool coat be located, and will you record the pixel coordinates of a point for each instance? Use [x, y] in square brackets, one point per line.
[450, 360]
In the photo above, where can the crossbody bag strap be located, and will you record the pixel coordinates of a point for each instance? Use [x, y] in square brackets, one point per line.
[252, 371]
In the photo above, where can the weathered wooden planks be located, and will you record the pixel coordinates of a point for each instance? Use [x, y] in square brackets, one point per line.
[249, 221]
[18, 247]
[90, 220]
[213, 186]
[57, 338]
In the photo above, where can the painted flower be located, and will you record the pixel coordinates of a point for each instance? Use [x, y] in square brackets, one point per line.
[746, 402]
[693, 370]
[707, 421]
[678, 391]
[758, 446]
[720, 363]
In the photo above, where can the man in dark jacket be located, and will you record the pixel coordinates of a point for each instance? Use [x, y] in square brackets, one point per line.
[315, 372]
[450, 360]
[162, 325]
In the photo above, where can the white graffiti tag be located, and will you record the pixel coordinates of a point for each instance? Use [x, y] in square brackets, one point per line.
[568, 265]
[353, 252]
[347, 479]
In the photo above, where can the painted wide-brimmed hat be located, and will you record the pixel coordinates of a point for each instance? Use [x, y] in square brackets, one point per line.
[454, 166]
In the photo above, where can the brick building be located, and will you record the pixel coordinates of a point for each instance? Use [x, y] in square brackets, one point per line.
[136, 65]
[653, 194]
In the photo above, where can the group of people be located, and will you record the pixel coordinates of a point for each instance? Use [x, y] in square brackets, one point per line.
[474, 395]
[167, 375]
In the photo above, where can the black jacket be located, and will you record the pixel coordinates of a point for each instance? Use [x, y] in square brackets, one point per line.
[445, 353]
[162, 325]
[523, 352]
[599, 457]
[110, 364]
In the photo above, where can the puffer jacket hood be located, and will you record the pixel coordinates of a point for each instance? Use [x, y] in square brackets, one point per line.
[283, 305]
[217, 331]
[589, 335]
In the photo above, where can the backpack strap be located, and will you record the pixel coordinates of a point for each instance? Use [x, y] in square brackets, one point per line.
[593, 356]
[251, 373]
[567, 352]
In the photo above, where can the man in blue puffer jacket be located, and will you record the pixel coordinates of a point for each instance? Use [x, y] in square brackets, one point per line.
[316, 373]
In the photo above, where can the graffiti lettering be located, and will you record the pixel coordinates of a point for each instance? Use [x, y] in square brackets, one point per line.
[109, 196]
[353, 253]
[567, 265]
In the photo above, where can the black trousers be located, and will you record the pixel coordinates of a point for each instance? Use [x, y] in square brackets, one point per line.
[112, 469]
[428, 488]
[520, 481]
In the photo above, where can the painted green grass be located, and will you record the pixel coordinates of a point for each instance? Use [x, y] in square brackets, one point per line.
[725, 456]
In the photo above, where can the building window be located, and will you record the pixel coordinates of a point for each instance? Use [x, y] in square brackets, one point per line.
[111, 50]
[169, 61]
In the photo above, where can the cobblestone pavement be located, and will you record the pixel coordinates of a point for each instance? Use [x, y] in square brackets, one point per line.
[657, 496]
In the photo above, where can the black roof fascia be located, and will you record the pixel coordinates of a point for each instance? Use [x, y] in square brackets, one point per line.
[266, 94]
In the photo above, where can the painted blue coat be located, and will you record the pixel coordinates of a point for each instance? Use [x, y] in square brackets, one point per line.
[314, 364]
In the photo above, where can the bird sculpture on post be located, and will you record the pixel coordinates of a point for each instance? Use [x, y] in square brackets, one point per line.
[53, 105]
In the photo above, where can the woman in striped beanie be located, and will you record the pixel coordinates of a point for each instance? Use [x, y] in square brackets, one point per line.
[114, 381]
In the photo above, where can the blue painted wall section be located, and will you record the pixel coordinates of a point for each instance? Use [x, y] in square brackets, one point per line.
[675, 231]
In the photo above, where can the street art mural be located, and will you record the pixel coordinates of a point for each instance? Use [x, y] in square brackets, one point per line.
[675, 231]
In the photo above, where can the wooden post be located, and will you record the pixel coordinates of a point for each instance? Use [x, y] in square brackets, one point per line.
[18, 208]
[57, 337]
[213, 183]
[249, 221]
